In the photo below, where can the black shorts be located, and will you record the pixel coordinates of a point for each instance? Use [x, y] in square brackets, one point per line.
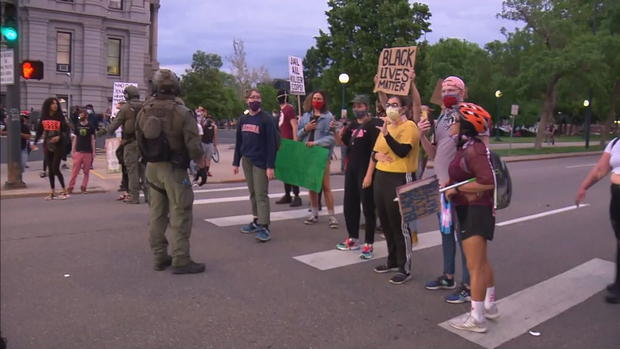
[614, 209]
[476, 220]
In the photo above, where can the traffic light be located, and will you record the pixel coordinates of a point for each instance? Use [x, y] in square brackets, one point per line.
[9, 23]
[32, 70]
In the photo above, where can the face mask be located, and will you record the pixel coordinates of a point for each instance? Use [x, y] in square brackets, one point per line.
[450, 100]
[254, 105]
[318, 105]
[393, 113]
[359, 114]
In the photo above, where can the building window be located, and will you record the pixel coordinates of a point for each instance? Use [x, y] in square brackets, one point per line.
[63, 52]
[116, 4]
[114, 56]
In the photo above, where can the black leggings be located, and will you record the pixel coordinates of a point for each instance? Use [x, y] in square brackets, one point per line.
[397, 235]
[289, 187]
[614, 213]
[354, 194]
[53, 162]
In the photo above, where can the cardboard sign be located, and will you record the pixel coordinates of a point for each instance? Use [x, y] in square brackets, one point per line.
[296, 75]
[111, 144]
[418, 199]
[395, 70]
[118, 96]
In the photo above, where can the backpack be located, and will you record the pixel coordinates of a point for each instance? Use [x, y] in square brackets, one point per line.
[503, 183]
[153, 142]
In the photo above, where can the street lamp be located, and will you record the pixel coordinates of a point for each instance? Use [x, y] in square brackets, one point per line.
[498, 95]
[586, 104]
[343, 79]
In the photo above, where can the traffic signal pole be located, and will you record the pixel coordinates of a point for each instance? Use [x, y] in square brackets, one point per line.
[14, 165]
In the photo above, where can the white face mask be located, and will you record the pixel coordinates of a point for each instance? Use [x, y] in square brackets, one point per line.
[393, 113]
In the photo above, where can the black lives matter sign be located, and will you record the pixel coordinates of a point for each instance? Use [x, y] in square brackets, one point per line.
[395, 70]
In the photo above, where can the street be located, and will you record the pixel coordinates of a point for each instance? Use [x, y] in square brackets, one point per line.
[78, 274]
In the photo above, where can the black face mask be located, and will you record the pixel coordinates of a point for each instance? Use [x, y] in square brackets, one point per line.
[360, 114]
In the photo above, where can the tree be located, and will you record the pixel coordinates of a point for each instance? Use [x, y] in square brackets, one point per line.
[245, 77]
[358, 31]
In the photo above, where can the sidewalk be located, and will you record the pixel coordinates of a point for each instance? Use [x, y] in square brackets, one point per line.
[102, 181]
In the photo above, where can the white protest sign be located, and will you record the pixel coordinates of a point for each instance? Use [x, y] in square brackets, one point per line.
[514, 110]
[118, 96]
[296, 75]
[8, 67]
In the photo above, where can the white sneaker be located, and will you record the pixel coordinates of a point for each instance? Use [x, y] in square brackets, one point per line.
[333, 222]
[312, 219]
[491, 313]
[469, 324]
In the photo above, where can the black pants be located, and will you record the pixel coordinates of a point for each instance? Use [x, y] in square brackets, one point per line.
[396, 232]
[354, 194]
[52, 158]
[289, 187]
[124, 179]
[614, 213]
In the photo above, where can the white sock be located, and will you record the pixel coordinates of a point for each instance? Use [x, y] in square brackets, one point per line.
[477, 310]
[315, 211]
[489, 299]
[332, 212]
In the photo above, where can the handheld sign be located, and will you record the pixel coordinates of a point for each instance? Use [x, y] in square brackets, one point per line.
[418, 199]
[296, 75]
[118, 94]
[395, 70]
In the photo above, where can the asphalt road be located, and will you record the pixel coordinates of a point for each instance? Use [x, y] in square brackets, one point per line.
[77, 274]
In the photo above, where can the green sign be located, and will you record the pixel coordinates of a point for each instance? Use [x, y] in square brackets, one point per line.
[300, 165]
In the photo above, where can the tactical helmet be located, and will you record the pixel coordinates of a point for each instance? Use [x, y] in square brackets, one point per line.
[131, 92]
[165, 82]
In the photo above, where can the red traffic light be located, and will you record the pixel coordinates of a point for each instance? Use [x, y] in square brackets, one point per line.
[32, 70]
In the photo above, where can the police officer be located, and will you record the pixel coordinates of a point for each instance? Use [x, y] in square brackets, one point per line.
[126, 117]
[168, 139]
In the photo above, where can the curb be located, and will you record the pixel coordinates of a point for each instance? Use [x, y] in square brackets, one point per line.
[519, 158]
[4, 195]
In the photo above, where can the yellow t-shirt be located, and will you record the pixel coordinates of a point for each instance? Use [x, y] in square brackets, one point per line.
[405, 133]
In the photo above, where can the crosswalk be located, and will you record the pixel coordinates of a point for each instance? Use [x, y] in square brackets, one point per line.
[520, 311]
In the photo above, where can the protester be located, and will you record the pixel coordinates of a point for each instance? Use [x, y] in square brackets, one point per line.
[83, 151]
[608, 162]
[209, 136]
[359, 137]
[287, 124]
[396, 157]
[25, 136]
[53, 128]
[315, 129]
[442, 150]
[474, 204]
[255, 150]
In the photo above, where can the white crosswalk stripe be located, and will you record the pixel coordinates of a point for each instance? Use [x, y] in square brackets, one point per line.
[275, 216]
[530, 307]
[245, 198]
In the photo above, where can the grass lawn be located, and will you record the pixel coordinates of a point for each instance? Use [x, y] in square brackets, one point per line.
[506, 140]
[553, 150]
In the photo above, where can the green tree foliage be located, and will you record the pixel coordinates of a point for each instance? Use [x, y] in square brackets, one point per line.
[204, 84]
[358, 31]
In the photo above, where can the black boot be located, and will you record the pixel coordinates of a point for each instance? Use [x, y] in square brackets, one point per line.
[189, 268]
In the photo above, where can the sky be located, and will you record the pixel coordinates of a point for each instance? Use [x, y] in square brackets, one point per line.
[272, 30]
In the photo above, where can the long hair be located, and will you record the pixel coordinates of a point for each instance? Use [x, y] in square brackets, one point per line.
[308, 101]
[45, 110]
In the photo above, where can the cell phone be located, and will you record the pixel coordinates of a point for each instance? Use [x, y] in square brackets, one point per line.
[380, 122]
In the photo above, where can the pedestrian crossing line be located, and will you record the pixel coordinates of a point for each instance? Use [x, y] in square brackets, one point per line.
[540, 215]
[536, 304]
[274, 217]
[246, 198]
[584, 165]
[215, 190]
[334, 258]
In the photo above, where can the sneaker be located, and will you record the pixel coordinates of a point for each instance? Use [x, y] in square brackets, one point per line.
[312, 219]
[384, 268]
[163, 264]
[263, 234]
[70, 190]
[83, 190]
[130, 199]
[43, 174]
[348, 244]
[189, 268]
[469, 324]
[286, 199]
[296, 202]
[462, 295]
[250, 228]
[491, 313]
[366, 251]
[442, 282]
[64, 167]
[400, 278]
[333, 222]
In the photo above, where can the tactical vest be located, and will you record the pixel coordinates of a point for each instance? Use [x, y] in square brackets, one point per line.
[130, 111]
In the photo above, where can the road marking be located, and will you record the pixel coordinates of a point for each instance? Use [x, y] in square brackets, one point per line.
[334, 258]
[585, 165]
[246, 198]
[220, 189]
[275, 216]
[524, 310]
[539, 215]
[97, 174]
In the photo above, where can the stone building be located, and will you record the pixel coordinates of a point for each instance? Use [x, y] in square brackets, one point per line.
[86, 46]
